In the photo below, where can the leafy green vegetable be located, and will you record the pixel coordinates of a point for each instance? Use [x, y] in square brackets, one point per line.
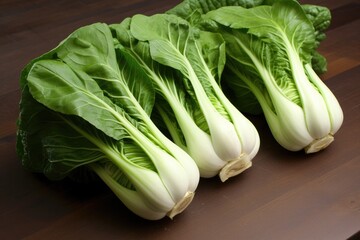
[245, 100]
[88, 106]
[269, 51]
[83, 106]
[185, 65]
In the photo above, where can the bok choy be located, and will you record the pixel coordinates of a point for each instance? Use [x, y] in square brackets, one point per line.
[92, 108]
[244, 99]
[185, 66]
[269, 51]
[85, 109]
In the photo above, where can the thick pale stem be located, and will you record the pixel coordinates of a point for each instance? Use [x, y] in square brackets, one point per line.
[198, 143]
[181, 205]
[224, 138]
[235, 167]
[315, 111]
[334, 109]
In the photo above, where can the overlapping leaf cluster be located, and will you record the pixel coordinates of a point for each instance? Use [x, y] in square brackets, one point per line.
[95, 104]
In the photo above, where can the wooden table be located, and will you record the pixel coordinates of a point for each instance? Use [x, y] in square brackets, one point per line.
[284, 195]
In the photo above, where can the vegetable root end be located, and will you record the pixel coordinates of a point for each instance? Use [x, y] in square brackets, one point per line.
[319, 144]
[234, 168]
[181, 205]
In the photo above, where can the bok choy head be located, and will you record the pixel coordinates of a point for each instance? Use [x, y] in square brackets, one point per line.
[84, 106]
[269, 51]
[185, 65]
[319, 16]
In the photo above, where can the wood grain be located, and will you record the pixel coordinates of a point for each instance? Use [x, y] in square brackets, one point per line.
[285, 195]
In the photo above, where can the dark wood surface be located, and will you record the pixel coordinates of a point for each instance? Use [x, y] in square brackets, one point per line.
[284, 195]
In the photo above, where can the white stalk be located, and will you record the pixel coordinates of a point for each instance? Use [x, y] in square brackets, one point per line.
[198, 143]
[200, 147]
[314, 107]
[131, 199]
[188, 164]
[248, 134]
[245, 129]
[334, 109]
[222, 132]
[287, 123]
[170, 171]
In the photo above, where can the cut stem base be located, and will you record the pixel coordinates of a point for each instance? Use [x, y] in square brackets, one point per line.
[234, 167]
[181, 205]
[319, 144]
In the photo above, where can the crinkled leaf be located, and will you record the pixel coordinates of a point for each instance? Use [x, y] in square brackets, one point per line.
[319, 63]
[320, 17]
[188, 8]
[46, 144]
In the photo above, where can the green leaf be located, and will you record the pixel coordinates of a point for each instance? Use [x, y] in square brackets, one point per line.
[46, 144]
[187, 8]
[91, 49]
[65, 149]
[33, 124]
[182, 47]
[285, 21]
[320, 17]
[170, 84]
[58, 87]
